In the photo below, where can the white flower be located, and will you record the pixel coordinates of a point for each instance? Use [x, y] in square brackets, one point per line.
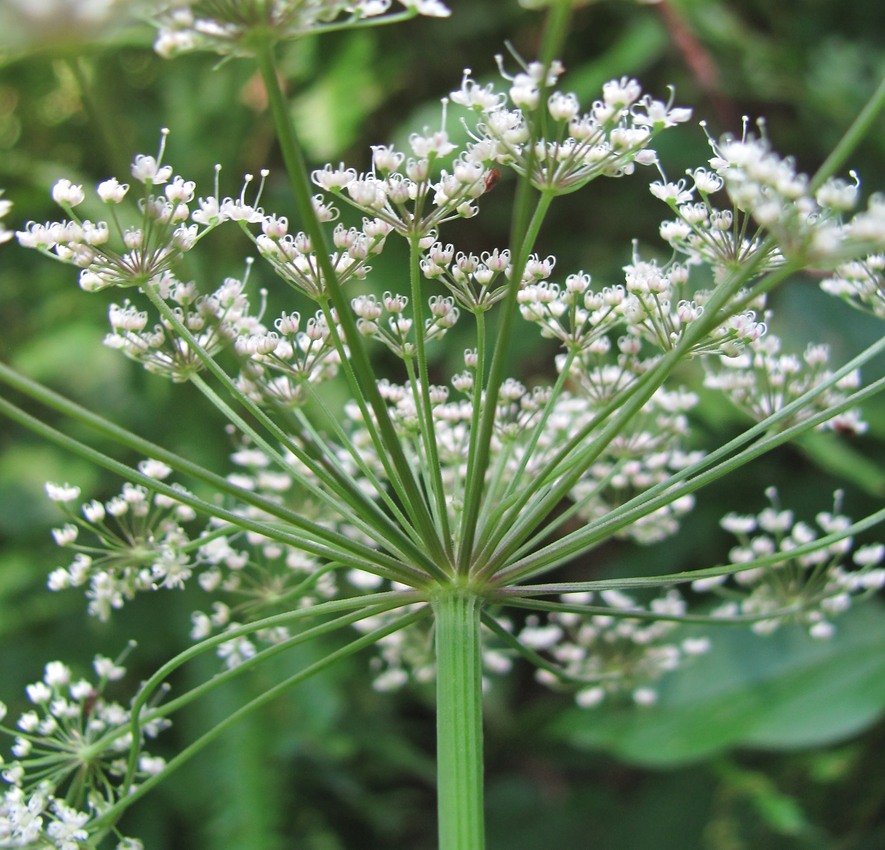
[66, 194]
[155, 469]
[151, 765]
[869, 555]
[62, 492]
[65, 535]
[590, 697]
[57, 674]
[430, 8]
[645, 696]
[146, 169]
[390, 680]
[108, 669]
[112, 191]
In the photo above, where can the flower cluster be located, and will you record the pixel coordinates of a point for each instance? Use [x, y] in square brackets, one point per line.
[70, 761]
[811, 587]
[477, 282]
[237, 28]
[294, 259]
[609, 652]
[138, 542]
[406, 194]
[214, 320]
[762, 380]
[399, 331]
[609, 139]
[139, 253]
[860, 283]
[278, 365]
[773, 216]
[655, 305]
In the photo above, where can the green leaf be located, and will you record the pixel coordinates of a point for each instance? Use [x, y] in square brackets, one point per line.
[781, 692]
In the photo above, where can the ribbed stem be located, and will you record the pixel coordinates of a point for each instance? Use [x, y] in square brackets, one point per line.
[459, 721]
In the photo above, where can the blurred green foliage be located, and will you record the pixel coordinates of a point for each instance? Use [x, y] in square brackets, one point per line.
[760, 745]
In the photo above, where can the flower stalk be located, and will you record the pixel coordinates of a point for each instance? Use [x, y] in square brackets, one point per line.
[459, 734]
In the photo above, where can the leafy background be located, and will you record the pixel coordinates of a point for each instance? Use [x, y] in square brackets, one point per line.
[764, 743]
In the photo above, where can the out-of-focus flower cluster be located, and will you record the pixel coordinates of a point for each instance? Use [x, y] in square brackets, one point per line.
[238, 27]
[137, 542]
[528, 434]
[26, 23]
[70, 759]
[5, 207]
[861, 283]
[595, 650]
[762, 380]
[609, 652]
[810, 588]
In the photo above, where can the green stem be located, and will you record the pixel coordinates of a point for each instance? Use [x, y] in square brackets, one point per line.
[425, 408]
[304, 534]
[508, 595]
[110, 815]
[682, 483]
[477, 463]
[459, 720]
[522, 236]
[575, 458]
[355, 360]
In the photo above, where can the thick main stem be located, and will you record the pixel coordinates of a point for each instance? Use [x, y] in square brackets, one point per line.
[459, 720]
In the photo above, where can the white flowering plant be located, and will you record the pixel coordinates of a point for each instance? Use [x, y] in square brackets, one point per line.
[427, 512]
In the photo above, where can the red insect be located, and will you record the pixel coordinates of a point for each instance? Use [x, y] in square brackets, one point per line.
[89, 703]
[492, 179]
